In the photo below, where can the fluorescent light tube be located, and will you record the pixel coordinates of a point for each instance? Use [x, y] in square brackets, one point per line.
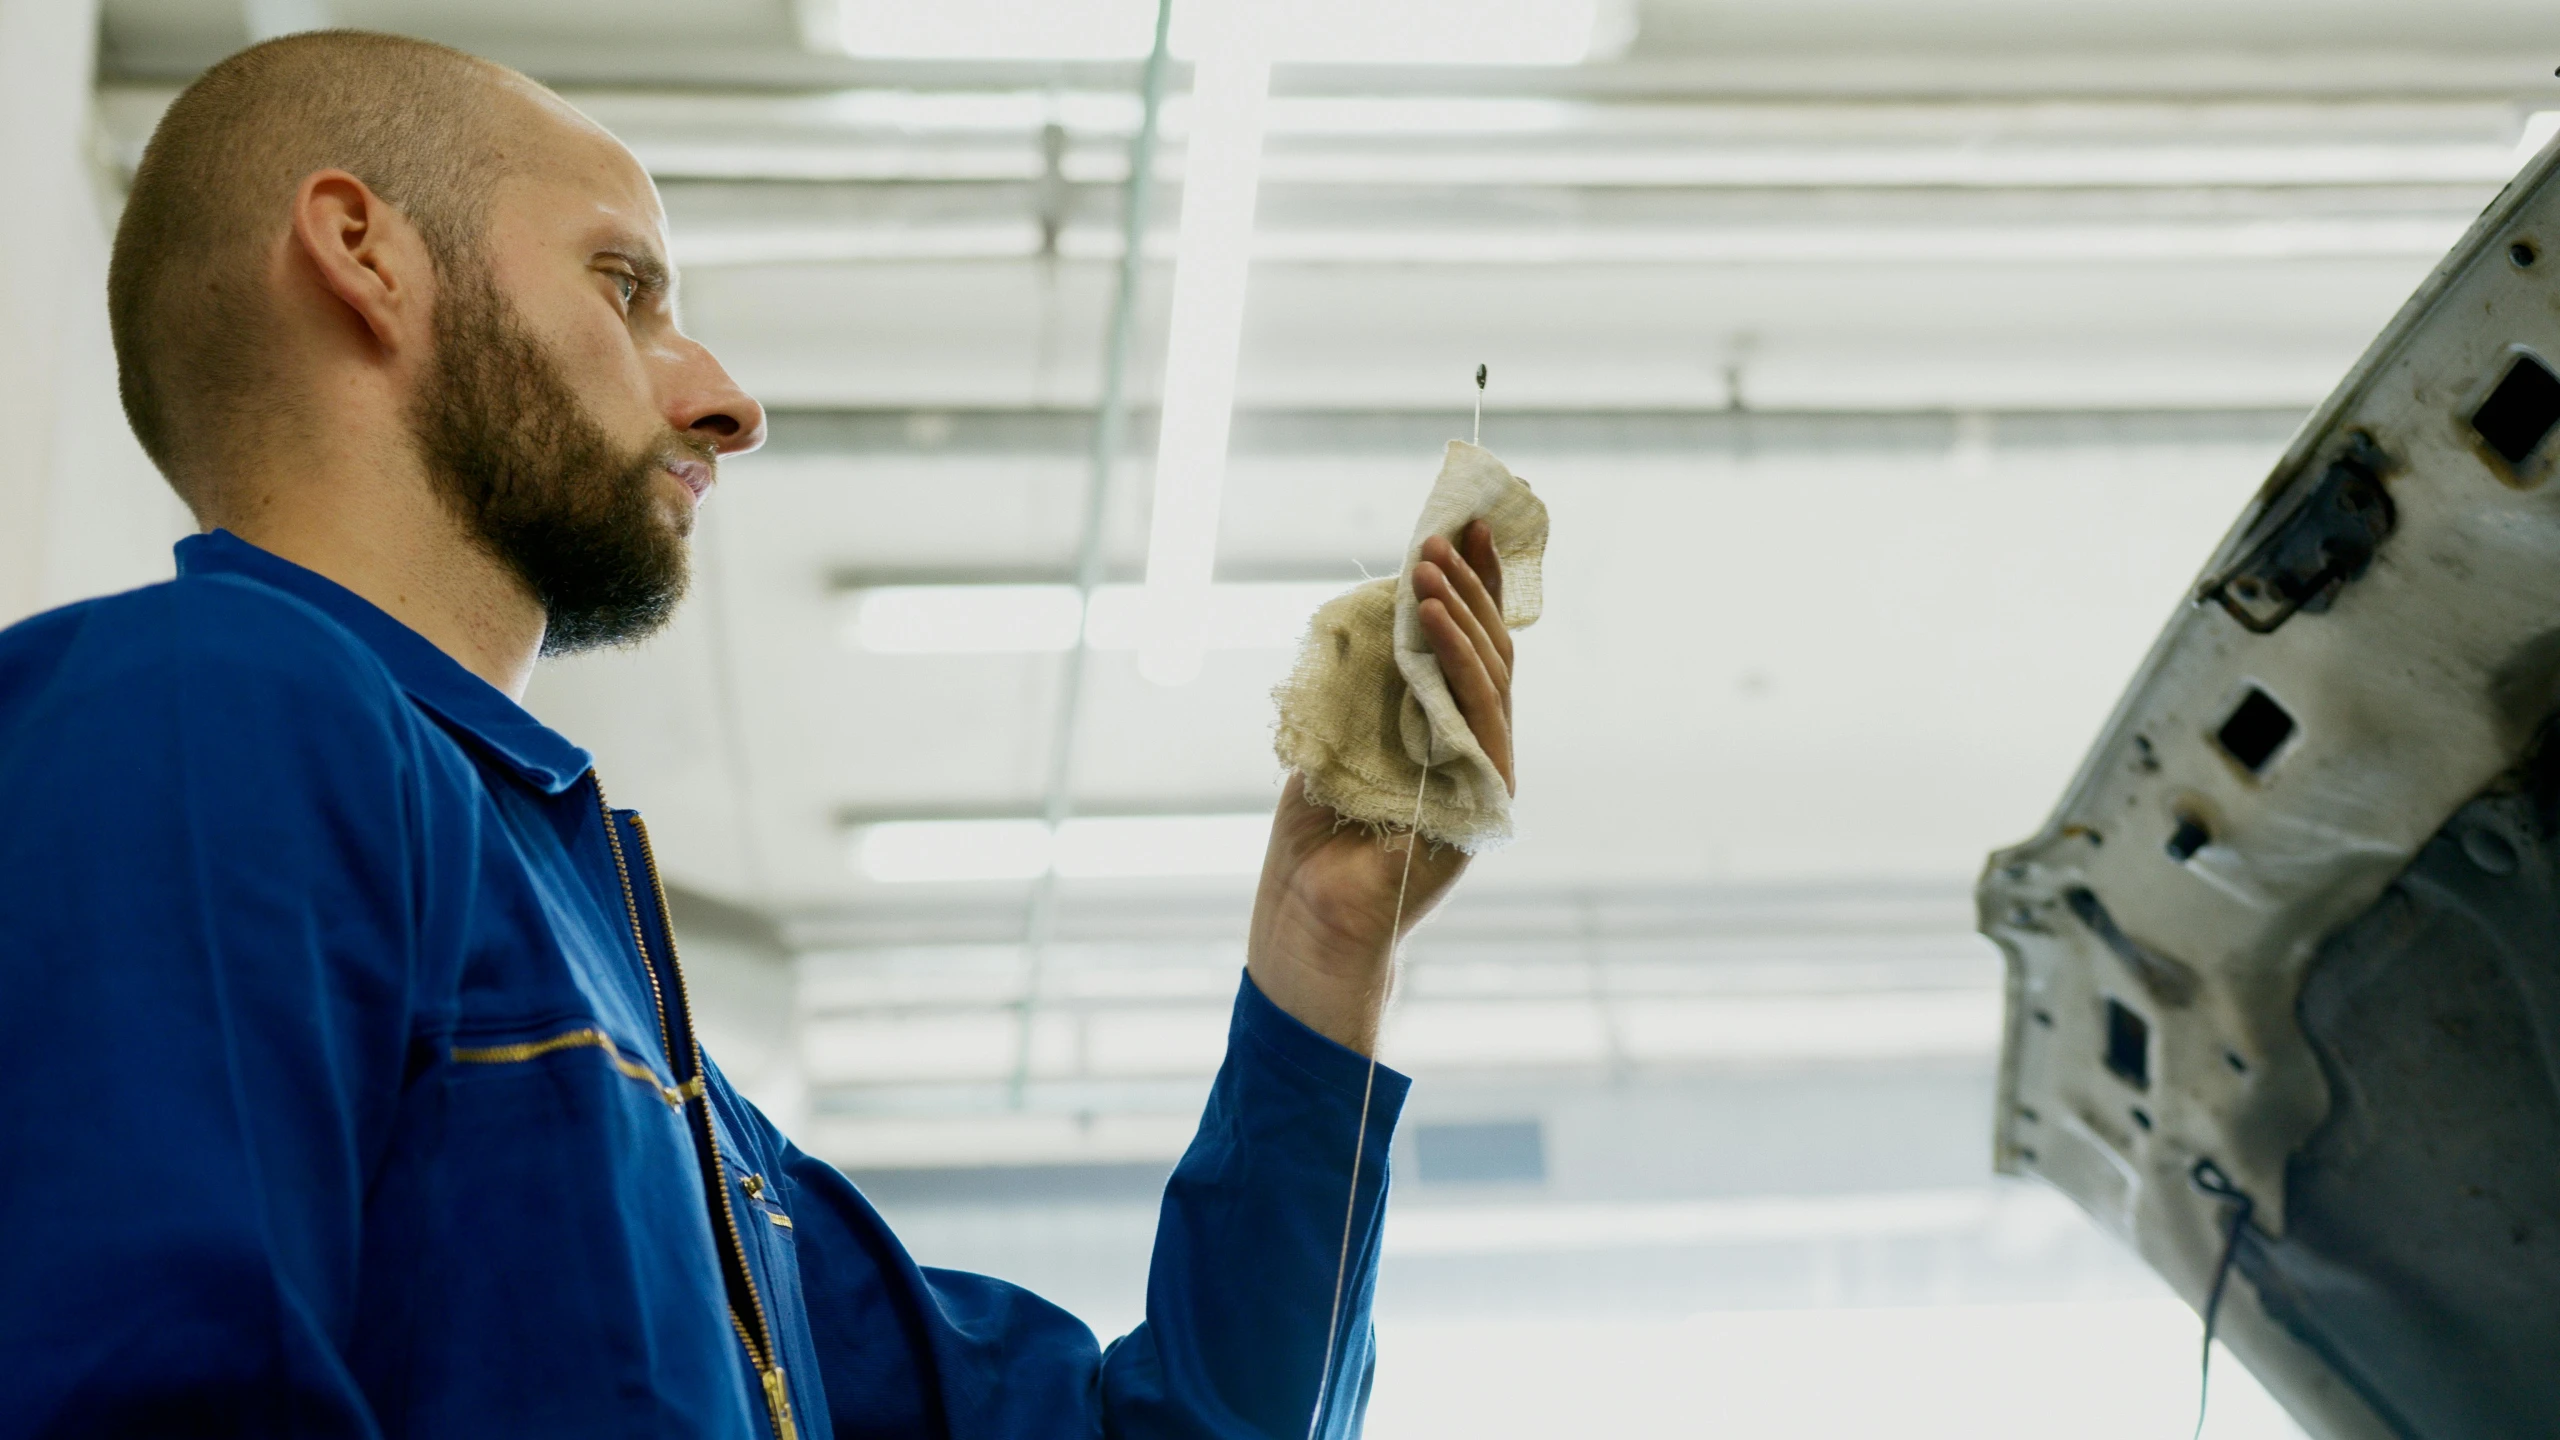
[1095, 847]
[1041, 619]
[1270, 616]
[1221, 171]
[1131, 847]
[902, 851]
[1429, 32]
[998, 29]
[1399, 32]
[964, 619]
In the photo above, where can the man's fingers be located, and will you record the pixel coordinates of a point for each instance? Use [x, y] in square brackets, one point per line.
[1487, 563]
[1468, 588]
[1480, 699]
[1432, 583]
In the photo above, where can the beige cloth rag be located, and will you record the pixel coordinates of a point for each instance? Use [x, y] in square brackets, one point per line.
[1366, 705]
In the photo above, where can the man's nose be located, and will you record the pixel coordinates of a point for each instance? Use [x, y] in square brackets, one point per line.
[708, 404]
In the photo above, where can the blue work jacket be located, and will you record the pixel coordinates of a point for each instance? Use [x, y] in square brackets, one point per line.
[347, 1088]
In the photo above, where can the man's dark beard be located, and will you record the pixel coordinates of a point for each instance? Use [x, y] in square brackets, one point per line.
[539, 483]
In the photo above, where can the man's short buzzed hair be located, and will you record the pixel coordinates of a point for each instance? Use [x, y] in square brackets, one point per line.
[186, 297]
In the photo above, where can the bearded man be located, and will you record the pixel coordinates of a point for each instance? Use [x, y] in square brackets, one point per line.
[351, 1089]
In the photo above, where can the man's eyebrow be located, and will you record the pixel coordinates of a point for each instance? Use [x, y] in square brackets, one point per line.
[646, 267]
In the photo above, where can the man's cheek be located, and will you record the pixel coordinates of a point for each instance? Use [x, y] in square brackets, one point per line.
[618, 398]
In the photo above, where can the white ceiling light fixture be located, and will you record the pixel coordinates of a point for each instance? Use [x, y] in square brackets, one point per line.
[1258, 616]
[1139, 847]
[1221, 173]
[1094, 847]
[997, 29]
[1435, 32]
[1396, 32]
[906, 851]
[1234, 43]
[963, 619]
[1042, 619]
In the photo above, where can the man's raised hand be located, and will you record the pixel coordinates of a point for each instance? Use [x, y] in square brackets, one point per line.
[1319, 946]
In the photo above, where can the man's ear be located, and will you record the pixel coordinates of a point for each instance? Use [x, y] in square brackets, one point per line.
[367, 255]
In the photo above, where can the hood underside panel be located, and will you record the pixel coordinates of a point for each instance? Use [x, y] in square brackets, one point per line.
[2421, 1250]
[2289, 946]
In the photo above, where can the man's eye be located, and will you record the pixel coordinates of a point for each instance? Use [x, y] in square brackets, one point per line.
[629, 285]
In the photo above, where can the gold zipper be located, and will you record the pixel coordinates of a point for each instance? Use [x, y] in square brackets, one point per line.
[588, 1036]
[777, 1396]
[768, 1364]
[777, 1399]
[631, 906]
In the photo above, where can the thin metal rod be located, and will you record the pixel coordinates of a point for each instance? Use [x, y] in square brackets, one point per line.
[1368, 1088]
[1369, 1082]
[1110, 424]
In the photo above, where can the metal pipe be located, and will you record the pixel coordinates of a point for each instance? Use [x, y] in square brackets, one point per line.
[1110, 421]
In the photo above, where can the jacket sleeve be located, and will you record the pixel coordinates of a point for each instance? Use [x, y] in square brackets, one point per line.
[1248, 1245]
[205, 942]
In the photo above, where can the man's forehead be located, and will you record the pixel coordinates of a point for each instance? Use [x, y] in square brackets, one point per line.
[568, 166]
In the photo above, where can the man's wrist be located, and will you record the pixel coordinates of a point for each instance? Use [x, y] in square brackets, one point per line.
[1277, 1038]
[1328, 989]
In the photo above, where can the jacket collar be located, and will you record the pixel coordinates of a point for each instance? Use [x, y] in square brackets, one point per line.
[541, 756]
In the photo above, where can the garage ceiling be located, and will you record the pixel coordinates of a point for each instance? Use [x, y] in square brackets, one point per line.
[1885, 368]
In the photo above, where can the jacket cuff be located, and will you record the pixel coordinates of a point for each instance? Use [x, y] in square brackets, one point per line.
[1281, 1041]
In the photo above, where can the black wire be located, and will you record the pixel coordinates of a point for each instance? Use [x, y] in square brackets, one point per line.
[2208, 1177]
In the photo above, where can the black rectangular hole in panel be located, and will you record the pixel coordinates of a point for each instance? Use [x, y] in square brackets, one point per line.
[2520, 411]
[2128, 1045]
[2255, 731]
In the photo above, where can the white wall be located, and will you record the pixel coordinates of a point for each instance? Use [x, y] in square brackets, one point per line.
[81, 510]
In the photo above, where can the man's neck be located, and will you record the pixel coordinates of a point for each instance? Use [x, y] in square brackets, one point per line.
[398, 547]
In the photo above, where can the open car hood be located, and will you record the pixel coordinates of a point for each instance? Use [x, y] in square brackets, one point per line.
[2298, 915]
